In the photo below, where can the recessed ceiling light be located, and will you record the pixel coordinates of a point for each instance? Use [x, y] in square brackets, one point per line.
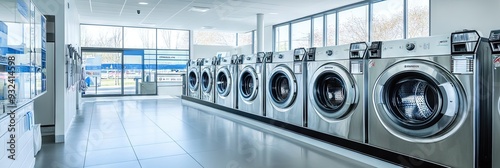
[273, 13]
[143, 3]
[199, 9]
[207, 27]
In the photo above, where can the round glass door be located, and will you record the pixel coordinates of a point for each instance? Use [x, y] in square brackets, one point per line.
[223, 82]
[206, 80]
[333, 92]
[419, 101]
[282, 87]
[193, 80]
[248, 84]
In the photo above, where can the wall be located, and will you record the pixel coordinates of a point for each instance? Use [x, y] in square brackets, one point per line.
[450, 15]
[268, 38]
[66, 32]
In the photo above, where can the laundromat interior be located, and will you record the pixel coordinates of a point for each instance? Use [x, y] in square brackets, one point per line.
[249, 84]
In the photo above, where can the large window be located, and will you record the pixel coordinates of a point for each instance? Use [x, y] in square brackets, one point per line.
[173, 39]
[378, 20]
[301, 34]
[214, 38]
[318, 32]
[101, 36]
[418, 18]
[353, 25]
[140, 38]
[282, 38]
[331, 29]
[245, 38]
[388, 20]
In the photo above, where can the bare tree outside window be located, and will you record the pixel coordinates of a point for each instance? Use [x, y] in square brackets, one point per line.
[388, 20]
[301, 34]
[353, 25]
[331, 23]
[318, 32]
[214, 38]
[282, 38]
[101, 36]
[140, 38]
[173, 39]
[418, 18]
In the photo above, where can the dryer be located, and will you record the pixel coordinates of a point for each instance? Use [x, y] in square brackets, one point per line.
[495, 115]
[208, 79]
[226, 82]
[336, 90]
[285, 87]
[193, 76]
[251, 84]
[423, 97]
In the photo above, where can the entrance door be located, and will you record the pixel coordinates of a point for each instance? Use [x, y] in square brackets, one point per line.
[104, 73]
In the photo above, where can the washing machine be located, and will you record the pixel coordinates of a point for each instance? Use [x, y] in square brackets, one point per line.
[424, 97]
[193, 76]
[495, 119]
[336, 90]
[207, 79]
[226, 82]
[285, 87]
[250, 84]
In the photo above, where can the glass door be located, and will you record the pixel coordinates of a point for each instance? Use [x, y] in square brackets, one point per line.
[104, 73]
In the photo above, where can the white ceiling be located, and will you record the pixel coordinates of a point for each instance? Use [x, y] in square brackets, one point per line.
[225, 15]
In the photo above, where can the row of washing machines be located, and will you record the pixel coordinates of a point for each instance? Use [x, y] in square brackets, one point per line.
[421, 97]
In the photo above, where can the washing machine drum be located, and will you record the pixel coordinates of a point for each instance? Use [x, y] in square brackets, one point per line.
[223, 79]
[206, 81]
[193, 80]
[248, 84]
[282, 87]
[419, 102]
[333, 92]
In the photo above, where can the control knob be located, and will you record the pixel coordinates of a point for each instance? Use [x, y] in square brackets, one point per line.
[410, 46]
[329, 52]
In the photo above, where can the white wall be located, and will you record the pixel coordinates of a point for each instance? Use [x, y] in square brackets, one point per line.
[67, 32]
[268, 38]
[450, 15]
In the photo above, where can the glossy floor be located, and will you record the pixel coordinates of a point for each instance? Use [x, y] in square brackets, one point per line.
[165, 132]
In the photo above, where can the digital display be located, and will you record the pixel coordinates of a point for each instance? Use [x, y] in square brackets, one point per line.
[300, 51]
[495, 35]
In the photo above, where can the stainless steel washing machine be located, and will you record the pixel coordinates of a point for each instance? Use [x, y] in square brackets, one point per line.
[423, 97]
[207, 79]
[336, 90]
[226, 82]
[193, 76]
[285, 87]
[250, 84]
[495, 116]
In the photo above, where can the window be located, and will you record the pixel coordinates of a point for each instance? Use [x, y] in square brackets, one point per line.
[331, 23]
[301, 34]
[418, 18]
[214, 38]
[140, 38]
[244, 39]
[353, 25]
[173, 39]
[388, 20]
[282, 38]
[255, 41]
[318, 32]
[101, 36]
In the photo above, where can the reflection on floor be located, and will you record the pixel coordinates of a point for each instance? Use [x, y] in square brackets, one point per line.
[153, 133]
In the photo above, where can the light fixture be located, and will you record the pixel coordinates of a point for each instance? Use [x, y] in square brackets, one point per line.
[143, 3]
[207, 27]
[273, 13]
[199, 9]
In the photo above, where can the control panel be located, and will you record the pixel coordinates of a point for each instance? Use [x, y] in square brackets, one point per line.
[260, 57]
[298, 54]
[357, 50]
[269, 57]
[375, 50]
[311, 54]
[464, 42]
[495, 41]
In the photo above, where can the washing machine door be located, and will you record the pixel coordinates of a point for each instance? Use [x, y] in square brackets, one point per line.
[193, 79]
[282, 87]
[248, 83]
[223, 81]
[333, 92]
[206, 80]
[419, 101]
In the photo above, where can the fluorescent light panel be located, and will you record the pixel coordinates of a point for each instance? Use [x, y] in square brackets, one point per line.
[199, 9]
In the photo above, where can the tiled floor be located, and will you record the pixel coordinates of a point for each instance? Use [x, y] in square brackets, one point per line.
[164, 133]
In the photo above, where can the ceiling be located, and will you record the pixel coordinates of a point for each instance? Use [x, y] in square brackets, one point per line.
[224, 15]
